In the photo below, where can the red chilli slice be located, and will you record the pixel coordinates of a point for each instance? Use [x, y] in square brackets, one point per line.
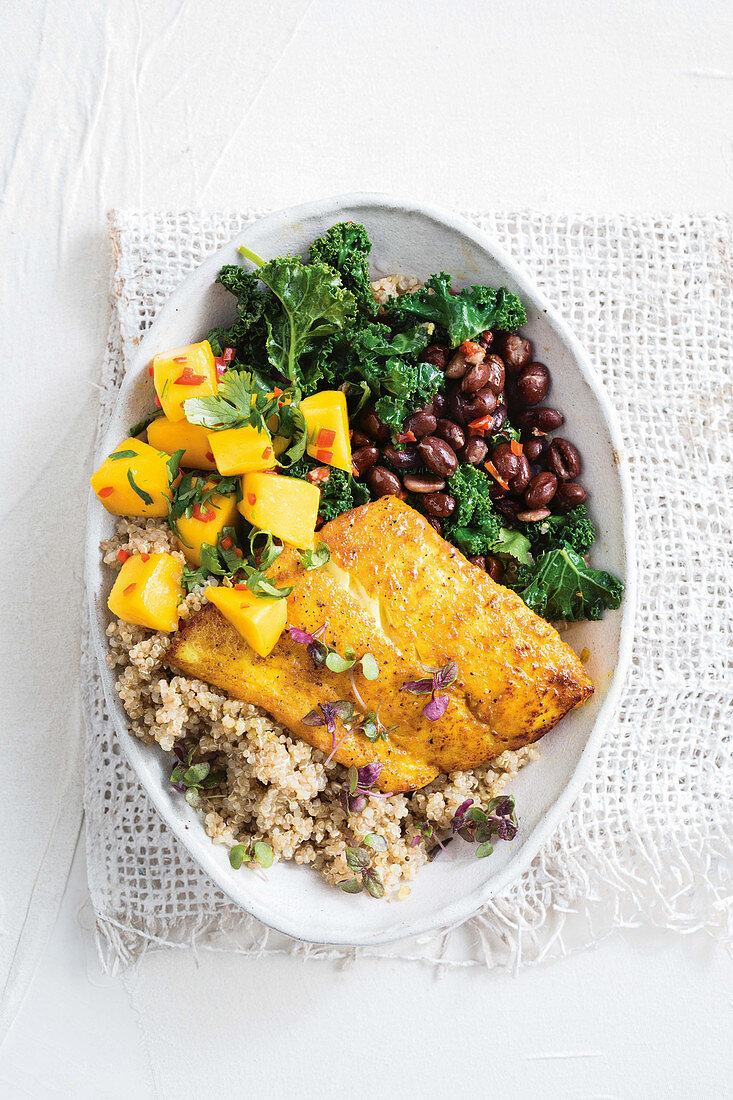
[516, 447]
[406, 437]
[326, 437]
[468, 347]
[106, 491]
[210, 456]
[157, 402]
[267, 452]
[122, 555]
[251, 499]
[481, 425]
[187, 377]
[128, 590]
[180, 358]
[240, 587]
[496, 475]
[203, 516]
[150, 370]
[226, 543]
[324, 456]
[145, 557]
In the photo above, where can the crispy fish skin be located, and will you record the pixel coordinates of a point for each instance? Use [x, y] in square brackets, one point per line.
[429, 605]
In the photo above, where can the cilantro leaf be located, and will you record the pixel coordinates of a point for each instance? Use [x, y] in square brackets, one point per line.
[559, 585]
[244, 398]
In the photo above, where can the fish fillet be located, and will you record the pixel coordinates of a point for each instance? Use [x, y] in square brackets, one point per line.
[396, 589]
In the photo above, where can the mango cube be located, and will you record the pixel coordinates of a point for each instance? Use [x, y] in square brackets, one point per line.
[285, 506]
[184, 373]
[239, 450]
[175, 435]
[327, 422]
[205, 524]
[259, 619]
[147, 591]
[133, 480]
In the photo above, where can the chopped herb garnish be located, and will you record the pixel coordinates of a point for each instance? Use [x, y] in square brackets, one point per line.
[144, 497]
[173, 465]
[139, 428]
[314, 559]
[123, 454]
[193, 779]
[244, 398]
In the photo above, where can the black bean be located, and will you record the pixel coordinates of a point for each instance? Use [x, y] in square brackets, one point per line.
[437, 355]
[508, 508]
[363, 459]
[522, 478]
[438, 455]
[486, 338]
[475, 451]
[438, 504]
[406, 459]
[494, 568]
[420, 424]
[533, 383]
[534, 515]
[451, 432]
[438, 405]
[476, 378]
[499, 418]
[358, 439]
[370, 423]
[456, 407]
[542, 419]
[435, 523]
[563, 459]
[517, 352]
[382, 482]
[569, 496]
[533, 449]
[505, 462]
[483, 403]
[479, 560]
[497, 374]
[457, 366]
[540, 490]
[423, 483]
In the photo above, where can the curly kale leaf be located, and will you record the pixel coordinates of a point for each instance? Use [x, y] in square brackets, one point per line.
[575, 529]
[309, 304]
[247, 334]
[340, 493]
[559, 585]
[380, 368]
[474, 524]
[346, 247]
[462, 316]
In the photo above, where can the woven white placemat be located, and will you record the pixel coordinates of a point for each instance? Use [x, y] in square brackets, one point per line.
[650, 839]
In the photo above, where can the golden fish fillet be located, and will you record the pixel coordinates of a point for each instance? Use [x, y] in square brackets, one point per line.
[396, 589]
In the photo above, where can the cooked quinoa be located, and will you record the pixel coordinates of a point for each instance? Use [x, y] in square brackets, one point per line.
[277, 789]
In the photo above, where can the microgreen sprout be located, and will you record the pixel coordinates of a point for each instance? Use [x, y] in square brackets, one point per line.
[193, 779]
[427, 832]
[429, 685]
[261, 853]
[323, 654]
[357, 788]
[359, 860]
[325, 714]
[479, 826]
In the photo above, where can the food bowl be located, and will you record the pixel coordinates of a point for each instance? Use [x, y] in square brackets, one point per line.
[415, 239]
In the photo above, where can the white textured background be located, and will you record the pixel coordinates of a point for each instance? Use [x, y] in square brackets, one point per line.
[219, 103]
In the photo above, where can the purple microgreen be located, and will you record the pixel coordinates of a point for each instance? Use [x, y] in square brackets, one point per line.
[414, 842]
[460, 814]
[480, 827]
[375, 841]
[317, 652]
[373, 882]
[344, 709]
[180, 753]
[313, 718]
[300, 636]
[369, 774]
[357, 859]
[353, 804]
[446, 676]
[336, 748]
[263, 853]
[419, 687]
[351, 885]
[436, 708]
[179, 787]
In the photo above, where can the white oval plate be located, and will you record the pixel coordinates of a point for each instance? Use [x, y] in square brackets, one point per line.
[416, 239]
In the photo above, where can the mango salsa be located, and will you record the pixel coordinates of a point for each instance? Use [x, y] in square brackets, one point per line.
[239, 450]
[174, 435]
[205, 524]
[327, 422]
[285, 506]
[133, 480]
[147, 591]
[259, 619]
[184, 373]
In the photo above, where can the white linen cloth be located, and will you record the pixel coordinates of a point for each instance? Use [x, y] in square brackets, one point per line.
[649, 840]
